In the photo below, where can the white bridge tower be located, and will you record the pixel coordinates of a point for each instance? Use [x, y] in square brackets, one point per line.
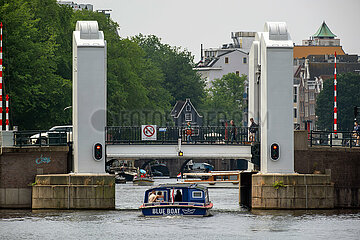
[271, 95]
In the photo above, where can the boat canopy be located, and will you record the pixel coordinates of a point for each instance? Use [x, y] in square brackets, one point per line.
[188, 192]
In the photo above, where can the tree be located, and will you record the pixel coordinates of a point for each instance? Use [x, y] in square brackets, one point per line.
[224, 100]
[348, 96]
[177, 66]
[37, 93]
[143, 82]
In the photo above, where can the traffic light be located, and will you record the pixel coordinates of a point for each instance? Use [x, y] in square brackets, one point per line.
[275, 151]
[180, 154]
[98, 151]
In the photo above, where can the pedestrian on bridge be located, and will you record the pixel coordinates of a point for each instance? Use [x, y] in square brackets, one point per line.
[252, 130]
[357, 133]
[188, 132]
[233, 132]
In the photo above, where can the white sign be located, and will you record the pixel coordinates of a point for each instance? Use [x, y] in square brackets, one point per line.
[148, 132]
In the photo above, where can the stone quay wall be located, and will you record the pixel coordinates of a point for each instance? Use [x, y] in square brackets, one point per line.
[18, 168]
[292, 191]
[74, 191]
[343, 163]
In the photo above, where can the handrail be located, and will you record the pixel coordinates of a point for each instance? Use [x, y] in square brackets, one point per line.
[116, 135]
[334, 139]
[42, 138]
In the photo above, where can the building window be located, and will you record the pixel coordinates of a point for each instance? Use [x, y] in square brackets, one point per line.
[188, 108]
[226, 60]
[295, 94]
[312, 109]
[295, 113]
[188, 117]
[306, 111]
[237, 73]
[311, 96]
[244, 60]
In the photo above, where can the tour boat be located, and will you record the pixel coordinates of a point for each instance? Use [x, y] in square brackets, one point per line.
[143, 178]
[214, 179]
[143, 181]
[177, 200]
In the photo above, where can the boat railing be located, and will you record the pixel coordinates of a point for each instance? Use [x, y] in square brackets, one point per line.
[174, 204]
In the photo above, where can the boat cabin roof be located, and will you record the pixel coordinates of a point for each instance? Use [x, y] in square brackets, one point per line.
[219, 173]
[178, 186]
[189, 192]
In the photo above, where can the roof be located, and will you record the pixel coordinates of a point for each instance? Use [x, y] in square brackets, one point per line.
[210, 61]
[324, 32]
[176, 109]
[326, 70]
[179, 185]
[179, 106]
[304, 51]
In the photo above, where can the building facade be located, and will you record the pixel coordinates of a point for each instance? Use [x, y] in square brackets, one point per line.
[184, 112]
[229, 58]
[76, 6]
[314, 64]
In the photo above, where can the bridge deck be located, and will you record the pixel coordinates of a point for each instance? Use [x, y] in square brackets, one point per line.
[171, 151]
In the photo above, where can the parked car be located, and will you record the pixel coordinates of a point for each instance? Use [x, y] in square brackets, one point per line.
[53, 135]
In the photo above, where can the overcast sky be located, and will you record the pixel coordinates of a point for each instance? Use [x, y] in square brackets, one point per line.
[188, 23]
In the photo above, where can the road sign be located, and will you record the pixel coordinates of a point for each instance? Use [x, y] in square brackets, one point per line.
[148, 132]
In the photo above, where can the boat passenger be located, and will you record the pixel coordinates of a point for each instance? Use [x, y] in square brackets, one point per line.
[178, 196]
[159, 197]
[152, 196]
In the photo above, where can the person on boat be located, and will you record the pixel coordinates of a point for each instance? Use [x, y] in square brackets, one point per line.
[159, 197]
[152, 197]
[178, 196]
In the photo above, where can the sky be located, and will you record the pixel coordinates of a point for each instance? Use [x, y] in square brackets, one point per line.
[189, 23]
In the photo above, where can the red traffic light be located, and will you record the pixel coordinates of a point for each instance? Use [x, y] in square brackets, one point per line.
[98, 154]
[274, 151]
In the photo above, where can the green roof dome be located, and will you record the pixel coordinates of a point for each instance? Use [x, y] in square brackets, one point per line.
[324, 32]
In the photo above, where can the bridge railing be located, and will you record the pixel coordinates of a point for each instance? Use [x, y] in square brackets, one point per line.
[332, 139]
[41, 138]
[171, 135]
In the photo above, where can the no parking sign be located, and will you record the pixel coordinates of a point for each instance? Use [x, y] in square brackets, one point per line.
[148, 132]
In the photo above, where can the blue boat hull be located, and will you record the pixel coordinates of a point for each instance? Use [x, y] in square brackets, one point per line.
[175, 211]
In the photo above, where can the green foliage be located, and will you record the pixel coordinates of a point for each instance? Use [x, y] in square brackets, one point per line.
[279, 184]
[31, 58]
[143, 82]
[224, 100]
[348, 96]
[176, 65]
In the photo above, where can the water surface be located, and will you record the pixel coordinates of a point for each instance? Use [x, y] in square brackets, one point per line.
[229, 221]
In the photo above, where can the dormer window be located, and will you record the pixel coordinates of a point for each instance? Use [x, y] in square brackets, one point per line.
[188, 108]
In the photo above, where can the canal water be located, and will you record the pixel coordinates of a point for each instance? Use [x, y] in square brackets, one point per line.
[229, 221]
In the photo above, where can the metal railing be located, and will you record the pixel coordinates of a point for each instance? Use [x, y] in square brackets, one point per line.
[171, 135]
[41, 138]
[332, 139]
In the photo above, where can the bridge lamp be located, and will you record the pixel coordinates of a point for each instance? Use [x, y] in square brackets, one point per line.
[275, 151]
